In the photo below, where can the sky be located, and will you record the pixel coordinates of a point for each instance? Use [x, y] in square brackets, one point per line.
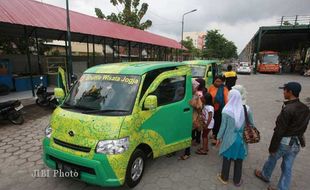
[238, 20]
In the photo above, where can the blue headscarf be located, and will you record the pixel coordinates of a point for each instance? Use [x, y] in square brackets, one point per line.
[219, 98]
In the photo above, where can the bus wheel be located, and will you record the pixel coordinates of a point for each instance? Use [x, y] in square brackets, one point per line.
[135, 168]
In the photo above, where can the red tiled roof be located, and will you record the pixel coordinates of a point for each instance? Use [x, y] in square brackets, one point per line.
[41, 15]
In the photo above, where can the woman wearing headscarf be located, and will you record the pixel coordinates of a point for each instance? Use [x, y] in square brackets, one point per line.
[219, 95]
[195, 104]
[201, 91]
[242, 92]
[230, 136]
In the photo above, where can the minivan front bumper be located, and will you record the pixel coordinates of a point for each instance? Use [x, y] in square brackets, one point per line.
[94, 171]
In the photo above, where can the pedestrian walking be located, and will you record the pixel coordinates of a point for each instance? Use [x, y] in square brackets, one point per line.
[219, 95]
[287, 138]
[208, 114]
[230, 137]
[230, 77]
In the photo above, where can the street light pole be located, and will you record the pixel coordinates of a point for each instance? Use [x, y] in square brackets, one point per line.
[183, 28]
[69, 70]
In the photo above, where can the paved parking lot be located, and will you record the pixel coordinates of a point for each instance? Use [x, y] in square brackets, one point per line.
[20, 149]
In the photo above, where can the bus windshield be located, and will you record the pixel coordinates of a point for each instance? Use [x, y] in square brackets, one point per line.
[270, 59]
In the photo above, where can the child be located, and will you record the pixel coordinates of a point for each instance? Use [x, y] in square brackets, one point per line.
[207, 114]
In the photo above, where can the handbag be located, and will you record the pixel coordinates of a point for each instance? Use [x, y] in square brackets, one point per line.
[251, 134]
[198, 121]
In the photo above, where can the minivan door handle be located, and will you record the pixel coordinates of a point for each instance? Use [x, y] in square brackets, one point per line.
[186, 109]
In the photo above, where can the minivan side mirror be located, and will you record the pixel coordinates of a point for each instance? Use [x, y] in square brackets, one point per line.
[150, 102]
[209, 72]
[59, 93]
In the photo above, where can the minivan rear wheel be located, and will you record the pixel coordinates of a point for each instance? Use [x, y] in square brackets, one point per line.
[135, 168]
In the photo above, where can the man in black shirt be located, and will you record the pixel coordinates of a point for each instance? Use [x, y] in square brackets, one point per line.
[230, 77]
[287, 138]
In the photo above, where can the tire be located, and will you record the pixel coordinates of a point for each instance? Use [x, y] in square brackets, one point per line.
[16, 117]
[42, 103]
[137, 162]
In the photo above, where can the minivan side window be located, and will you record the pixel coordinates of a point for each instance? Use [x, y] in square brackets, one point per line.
[150, 77]
[170, 90]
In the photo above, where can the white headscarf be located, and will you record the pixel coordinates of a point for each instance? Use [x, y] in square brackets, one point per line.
[234, 108]
[242, 91]
[195, 84]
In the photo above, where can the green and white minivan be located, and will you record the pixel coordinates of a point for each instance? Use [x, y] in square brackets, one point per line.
[115, 117]
[206, 69]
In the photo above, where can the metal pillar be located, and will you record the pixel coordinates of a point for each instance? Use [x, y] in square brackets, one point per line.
[113, 53]
[105, 50]
[140, 52]
[67, 60]
[94, 56]
[129, 52]
[119, 53]
[282, 20]
[38, 52]
[257, 49]
[87, 42]
[70, 68]
[148, 53]
[28, 59]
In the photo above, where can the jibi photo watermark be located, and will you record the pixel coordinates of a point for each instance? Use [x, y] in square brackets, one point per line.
[55, 173]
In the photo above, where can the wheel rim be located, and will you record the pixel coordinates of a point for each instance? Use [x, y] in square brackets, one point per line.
[137, 169]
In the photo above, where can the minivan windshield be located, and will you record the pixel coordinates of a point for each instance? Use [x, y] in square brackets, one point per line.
[104, 94]
[198, 71]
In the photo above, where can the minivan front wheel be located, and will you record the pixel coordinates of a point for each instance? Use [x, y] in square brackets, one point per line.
[135, 168]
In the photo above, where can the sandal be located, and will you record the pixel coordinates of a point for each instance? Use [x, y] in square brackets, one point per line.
[219, 177]
[184, 157]
[239, 184]
[271, 188]
[201, 152]
[260, 176]
[200, 149]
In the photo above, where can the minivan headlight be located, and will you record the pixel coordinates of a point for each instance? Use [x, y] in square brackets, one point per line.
[113, 146]
[48, 131]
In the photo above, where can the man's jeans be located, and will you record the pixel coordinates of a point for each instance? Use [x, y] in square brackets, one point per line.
[288, 153]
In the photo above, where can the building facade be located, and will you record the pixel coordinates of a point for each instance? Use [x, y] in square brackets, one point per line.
[197, 37]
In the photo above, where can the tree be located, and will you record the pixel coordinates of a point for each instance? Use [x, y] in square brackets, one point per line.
[188, 44]
[131, 15]
[10, 45]
[287, 23]
[217, 46]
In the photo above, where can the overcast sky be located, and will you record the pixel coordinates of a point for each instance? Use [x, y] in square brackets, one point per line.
[238, 20]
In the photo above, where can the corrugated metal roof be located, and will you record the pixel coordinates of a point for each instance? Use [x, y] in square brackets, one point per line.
[41, 15]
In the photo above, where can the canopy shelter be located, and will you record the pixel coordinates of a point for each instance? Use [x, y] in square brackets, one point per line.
[283, 38]
[29, 18]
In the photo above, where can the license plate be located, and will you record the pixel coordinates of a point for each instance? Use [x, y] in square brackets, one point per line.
[67, 171]
[19, 107]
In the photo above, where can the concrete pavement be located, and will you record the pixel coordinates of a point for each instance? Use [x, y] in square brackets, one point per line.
[21, 149]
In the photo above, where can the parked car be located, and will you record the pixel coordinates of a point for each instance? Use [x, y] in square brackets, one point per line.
[244, 67]
[115, 117]
[206, 69]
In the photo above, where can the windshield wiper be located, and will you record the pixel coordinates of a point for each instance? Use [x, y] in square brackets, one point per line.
[69, 106]
[102, 111]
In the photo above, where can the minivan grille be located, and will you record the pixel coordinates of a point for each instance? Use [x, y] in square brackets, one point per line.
[74, 166]
[72, 146]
